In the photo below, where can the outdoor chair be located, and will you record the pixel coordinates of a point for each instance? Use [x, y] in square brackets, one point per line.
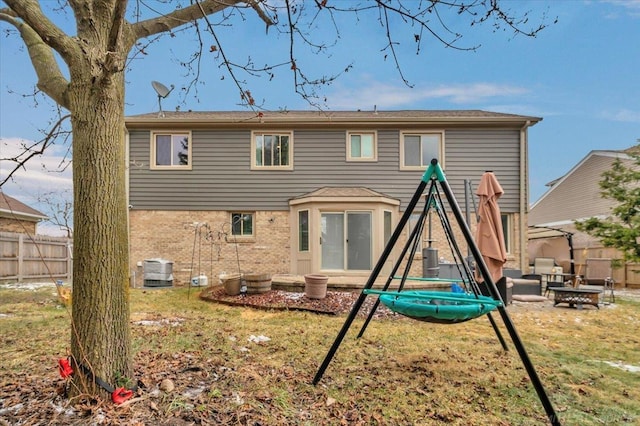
[600, 272]
[546, 267]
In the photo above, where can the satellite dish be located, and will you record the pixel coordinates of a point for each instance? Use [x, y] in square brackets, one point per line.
[162, 92]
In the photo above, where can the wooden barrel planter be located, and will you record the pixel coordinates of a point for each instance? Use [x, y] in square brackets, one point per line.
[231, 284]
[315, 286]
[257, 283]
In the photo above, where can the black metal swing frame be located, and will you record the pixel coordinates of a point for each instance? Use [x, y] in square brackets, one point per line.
[428, 314]
[434, 173]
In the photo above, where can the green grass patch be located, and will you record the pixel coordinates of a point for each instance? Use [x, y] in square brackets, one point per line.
[401, 371]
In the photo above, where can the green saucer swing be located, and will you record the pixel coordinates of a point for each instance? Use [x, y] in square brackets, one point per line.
[437, 306]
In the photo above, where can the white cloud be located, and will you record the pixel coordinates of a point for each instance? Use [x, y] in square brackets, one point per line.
[392, 96]
[628, 7]
[43, 173]
[624, 115]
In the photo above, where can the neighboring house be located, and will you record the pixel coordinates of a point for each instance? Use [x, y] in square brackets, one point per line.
[26, 256]
[17, 217]
[573, 197]
[306, 191]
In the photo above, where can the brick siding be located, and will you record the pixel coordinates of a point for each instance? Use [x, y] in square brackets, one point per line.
[18, 226]
[171, 235]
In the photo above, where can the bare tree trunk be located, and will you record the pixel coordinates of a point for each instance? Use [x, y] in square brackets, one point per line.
[100, 334]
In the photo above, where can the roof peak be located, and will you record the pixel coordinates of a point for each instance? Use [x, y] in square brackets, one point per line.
[14, 206]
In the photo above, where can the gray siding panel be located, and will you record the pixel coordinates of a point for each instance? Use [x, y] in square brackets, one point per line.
[221, 178]
[471, 152]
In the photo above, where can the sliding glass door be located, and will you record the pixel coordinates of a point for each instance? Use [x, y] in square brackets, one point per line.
[346, 241]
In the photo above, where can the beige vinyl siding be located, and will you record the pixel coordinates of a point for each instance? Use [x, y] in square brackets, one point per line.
[576, 196]
[221, 177]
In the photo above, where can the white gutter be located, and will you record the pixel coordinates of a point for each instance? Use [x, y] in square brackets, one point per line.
[23, 216]
[205, 119]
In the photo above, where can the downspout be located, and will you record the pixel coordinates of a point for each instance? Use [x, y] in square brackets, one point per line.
[524, 204]
[132, 282]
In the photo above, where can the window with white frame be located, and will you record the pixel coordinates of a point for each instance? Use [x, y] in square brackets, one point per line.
[417, 149]
[506, 230]
[242, 224]
[387, 226]
[170, 150]
[303, 230]
[361, 146]
[273, 150]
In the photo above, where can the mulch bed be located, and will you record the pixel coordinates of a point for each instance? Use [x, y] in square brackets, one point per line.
[336, 302]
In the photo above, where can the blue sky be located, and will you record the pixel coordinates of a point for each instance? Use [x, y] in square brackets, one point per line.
[581, 75]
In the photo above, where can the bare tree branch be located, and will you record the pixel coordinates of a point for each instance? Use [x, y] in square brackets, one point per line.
[391, 46]
[191, 15]
[256, 6]
[118, 22]
[428, 17]
[50, 78]
[35, 149]
[29, 11]
[244, 94]
[59, 209]
[180, 17]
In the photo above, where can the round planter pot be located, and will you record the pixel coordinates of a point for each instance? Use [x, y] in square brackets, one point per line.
[231, 284]
[315, 286]
[257, 283]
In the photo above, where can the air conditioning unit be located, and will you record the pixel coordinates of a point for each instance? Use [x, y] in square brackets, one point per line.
[158, 273]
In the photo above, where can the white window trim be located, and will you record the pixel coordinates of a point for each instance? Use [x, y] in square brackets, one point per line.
[385, 241]
[375, 145]
[508, 241]
[441, 159]
[271, 132]
[152, 156]
[242, 237]
[308, 231]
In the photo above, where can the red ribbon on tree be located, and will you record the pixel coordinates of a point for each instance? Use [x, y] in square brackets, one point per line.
[65, 368]
[120, 395]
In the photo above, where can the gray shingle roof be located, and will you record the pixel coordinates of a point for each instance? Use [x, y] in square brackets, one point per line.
[11, 205]
[349, 192]
[252, 117]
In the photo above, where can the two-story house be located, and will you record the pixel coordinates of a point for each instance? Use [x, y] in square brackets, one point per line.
[296, 192]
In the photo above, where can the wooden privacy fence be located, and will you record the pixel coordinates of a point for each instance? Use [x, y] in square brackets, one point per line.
[34, 257]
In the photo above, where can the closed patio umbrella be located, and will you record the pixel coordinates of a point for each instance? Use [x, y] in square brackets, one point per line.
[489, 233]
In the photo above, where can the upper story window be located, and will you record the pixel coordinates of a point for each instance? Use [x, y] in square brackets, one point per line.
[171, 150]
[272, 150]
[361, 146]
[417, 149]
